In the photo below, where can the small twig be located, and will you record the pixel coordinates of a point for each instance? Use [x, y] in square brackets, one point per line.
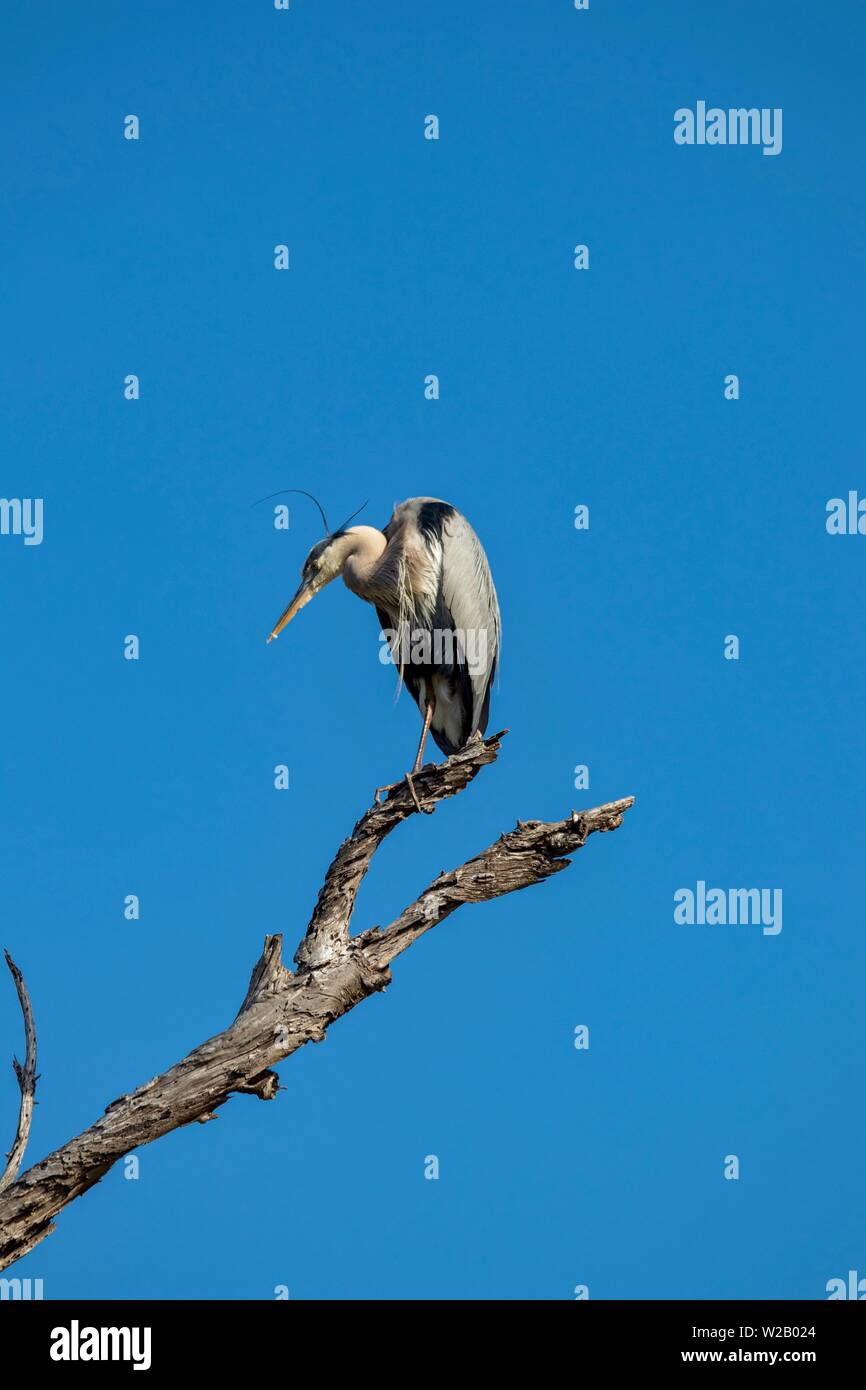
[26, 1080]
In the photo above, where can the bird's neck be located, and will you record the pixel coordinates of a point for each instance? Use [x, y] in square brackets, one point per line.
[365, 548]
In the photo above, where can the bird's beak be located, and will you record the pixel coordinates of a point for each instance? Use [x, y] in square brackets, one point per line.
[303, 596]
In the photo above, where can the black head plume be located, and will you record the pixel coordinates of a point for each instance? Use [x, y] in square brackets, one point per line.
[300, 492]
[351, 518]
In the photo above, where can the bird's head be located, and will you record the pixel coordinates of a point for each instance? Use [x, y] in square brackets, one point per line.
[324, 562]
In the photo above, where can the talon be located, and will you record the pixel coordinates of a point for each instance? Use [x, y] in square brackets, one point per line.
[392, 786]
[411, 786]
[425, 810]
[388, 787]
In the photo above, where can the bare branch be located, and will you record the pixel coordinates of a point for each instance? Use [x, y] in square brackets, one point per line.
[26, 1080]
[531, 852]
[329, 926]
[282, 1011]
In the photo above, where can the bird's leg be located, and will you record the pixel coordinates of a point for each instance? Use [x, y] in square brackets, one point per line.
[428, 719]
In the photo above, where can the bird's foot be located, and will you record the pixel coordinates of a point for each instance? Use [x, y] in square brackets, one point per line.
[425, 810]
[407, 780]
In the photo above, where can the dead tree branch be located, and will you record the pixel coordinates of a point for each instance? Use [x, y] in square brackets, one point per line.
[282, 1011]
[26, 1080]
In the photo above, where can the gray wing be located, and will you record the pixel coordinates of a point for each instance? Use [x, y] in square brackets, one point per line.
[470, 597]
[438, 564]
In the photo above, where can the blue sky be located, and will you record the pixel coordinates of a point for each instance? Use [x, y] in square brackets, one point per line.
[558, 1167]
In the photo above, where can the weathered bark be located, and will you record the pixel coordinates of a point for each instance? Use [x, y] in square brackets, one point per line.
[282, 1011]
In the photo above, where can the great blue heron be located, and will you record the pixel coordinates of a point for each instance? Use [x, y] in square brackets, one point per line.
[428, 578]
